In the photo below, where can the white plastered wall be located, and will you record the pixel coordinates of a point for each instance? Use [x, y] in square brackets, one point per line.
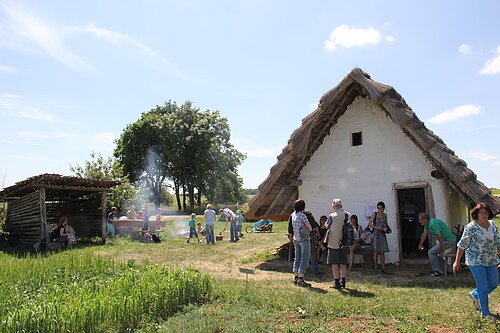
[365, 174]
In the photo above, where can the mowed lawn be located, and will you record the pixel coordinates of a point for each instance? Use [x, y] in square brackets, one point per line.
[405, 299]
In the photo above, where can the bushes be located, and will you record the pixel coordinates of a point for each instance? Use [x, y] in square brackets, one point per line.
[66, 293]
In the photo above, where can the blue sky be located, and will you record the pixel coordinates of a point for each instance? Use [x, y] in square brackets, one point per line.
[73, 74]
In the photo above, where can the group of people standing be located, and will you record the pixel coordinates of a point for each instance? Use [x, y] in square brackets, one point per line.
[480, 242]
[235, 224]
[338, 231]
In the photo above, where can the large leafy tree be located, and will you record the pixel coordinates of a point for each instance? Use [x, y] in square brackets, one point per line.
[145, 148]
[188, 147]
[99, 167]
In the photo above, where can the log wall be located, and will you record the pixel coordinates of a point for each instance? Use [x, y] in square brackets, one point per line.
[23, 222]
[31, 218]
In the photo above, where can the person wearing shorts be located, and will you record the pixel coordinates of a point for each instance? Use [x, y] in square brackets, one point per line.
[337, 254]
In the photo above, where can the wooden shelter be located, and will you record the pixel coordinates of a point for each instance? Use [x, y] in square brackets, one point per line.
[285, 181]
[34, 205]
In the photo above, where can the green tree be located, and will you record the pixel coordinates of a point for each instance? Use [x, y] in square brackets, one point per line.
[145, 149]
[191, 149]
[109, 168]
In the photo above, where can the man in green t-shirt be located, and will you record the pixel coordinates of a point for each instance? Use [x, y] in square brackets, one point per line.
[444, 240]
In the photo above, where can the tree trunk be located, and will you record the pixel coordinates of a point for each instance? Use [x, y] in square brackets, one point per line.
[177, 197]
[199, 197]
[191, 198]
[184, 197]
[157, 195]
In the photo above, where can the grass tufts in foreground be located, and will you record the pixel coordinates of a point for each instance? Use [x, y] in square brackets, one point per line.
[85, 293]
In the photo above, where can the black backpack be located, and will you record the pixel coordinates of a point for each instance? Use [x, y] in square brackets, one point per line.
[156, 238]
[347, 232]
[55, 233]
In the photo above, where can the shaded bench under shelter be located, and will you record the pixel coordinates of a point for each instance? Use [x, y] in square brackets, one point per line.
[37, 203]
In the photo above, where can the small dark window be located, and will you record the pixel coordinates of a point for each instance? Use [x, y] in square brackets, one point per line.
[357, 139]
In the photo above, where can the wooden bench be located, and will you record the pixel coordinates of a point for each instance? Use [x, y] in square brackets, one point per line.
[367, 252]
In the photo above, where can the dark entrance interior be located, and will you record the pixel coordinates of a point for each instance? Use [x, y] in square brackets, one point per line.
[410, 203]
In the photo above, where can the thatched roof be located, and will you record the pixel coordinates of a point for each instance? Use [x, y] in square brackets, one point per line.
[280, 188]
[56, 182]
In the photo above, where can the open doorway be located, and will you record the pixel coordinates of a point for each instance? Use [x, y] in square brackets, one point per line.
[411, 202]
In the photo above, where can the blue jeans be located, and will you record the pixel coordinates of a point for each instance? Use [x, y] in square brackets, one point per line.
[437, 263]
[302, 254]
[111, 229]
[314, 257]
[209, 232]
[233, 232]
[486, 278]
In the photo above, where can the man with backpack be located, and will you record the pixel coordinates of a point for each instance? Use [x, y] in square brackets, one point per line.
[338, 242]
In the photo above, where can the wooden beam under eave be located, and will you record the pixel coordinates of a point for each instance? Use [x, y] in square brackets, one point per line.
[75, 188]
[104, 223]
[294, 182]
[276, 198]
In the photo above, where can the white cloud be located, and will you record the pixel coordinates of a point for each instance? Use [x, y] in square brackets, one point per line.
[47, 135]
[99, 141]
[390, 39]
[458, 112]
[14, 105]
[27, 27]
[481, 155]
[492, 65]
[465, 49]
[349, 37]
[248, 147]
[35, 158]
[7, 69]
[313, 106]
[497, 164]
[102, 138]
[7, 95]
[114, 36]
[26, 31]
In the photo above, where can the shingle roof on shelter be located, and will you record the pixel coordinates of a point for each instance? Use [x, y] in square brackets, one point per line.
[56, 181]
[280, 188]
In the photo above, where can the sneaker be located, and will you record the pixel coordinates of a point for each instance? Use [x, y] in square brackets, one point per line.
[491, 317]
[302, 283]
[475, 301]
[436, 273]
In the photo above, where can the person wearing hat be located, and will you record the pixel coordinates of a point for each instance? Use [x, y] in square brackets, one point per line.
[239, 222]
[337, 253]
[192, 228]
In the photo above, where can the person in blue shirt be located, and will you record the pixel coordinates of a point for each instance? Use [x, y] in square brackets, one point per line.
[109, 222]
[192, 228]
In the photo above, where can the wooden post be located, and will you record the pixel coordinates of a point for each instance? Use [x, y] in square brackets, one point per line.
[43, 218]
[104, 227]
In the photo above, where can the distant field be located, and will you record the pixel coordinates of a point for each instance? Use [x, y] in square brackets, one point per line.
[495, 191]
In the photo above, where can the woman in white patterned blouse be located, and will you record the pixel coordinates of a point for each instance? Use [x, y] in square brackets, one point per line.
[481, 243]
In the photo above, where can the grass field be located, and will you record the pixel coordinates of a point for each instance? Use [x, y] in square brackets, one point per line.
[399, 301]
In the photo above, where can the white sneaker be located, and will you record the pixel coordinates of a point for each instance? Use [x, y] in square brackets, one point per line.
[491, 317]
[475, 301]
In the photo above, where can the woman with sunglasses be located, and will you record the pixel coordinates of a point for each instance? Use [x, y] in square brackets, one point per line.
[378, 222]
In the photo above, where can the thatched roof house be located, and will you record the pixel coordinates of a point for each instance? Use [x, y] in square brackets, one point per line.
[39, 201]
[361, 109]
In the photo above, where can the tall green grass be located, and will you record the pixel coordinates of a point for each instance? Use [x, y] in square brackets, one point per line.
[70, 293]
